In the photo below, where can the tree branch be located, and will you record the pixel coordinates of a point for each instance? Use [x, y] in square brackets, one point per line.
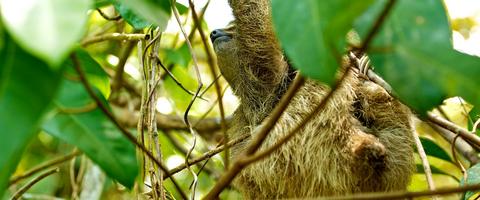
[24, 189]
[44, 166]
[114, 36]
[406, 195]
[471, 137]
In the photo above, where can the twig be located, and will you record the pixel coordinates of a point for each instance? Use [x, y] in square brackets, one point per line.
[207, 155]
[199, 87]
[425, 163]
[376, 27]
[115, 36]
[170, 74]
[173, 122]
[218, 89]
[461, 145]
[105, 16]
[123, 57]
[454, 154]
[406, 195]
[44, 166]
[124, 131]
[471, 137]
[260, 136]
[24, 189]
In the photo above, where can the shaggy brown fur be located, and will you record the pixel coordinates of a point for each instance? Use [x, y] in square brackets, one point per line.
[360, 142]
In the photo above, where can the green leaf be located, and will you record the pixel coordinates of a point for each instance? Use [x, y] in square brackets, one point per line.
[46, 28]
[27, 86]
[180, 56]
[313, 33]
[432, 149]
[92, 132]
[473, 177]
[96, 76]
[101, 3]
[136, 21]
[154, 11]
[181, 8]
[435, 170]
[413, 50]
[182, 98]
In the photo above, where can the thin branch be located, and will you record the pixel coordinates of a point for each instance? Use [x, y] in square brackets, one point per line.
[471, 137]
[260, 136]
[124, 131]
[461, 145]
[170, 74]
[105, 16]
[199, 87]
[44, 166]
[218, 89]
[122, 60]
[173, 122]
[24, 189]
[376, 27]
[462, 168]
[207, 155]
[425, 163]
[115, 36]
[406, 195]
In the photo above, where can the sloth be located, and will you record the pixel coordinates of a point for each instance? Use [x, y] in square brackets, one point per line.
[361, 141]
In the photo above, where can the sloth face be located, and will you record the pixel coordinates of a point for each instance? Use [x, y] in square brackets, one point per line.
[226, 48]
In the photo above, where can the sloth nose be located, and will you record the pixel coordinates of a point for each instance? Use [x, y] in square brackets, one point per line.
[217, 33]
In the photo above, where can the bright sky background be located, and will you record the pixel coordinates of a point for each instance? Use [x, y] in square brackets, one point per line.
[463, 9]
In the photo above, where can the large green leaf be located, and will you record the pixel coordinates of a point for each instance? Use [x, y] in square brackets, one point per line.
[313, 32]
[432, 149]
[473, 177]
[27, 86]
[76, 122]
[413, 52]
[154, 11]
[46, 28]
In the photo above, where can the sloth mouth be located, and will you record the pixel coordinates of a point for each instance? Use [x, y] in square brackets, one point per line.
[220, 39]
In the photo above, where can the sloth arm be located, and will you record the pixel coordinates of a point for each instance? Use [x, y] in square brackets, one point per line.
[256, 39]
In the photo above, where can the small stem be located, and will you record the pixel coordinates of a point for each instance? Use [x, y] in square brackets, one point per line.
[114, 36]
[24, 189]
[425, 163]
[44, 166]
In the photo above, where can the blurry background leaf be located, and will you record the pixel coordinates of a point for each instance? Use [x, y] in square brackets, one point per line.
[414, 44]
[96, 76]
[154, 11]
[27, 86]
[78, 123]
[136, 21]
[101, 3]
[473, 177]
[313, 33]
[46, 28]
